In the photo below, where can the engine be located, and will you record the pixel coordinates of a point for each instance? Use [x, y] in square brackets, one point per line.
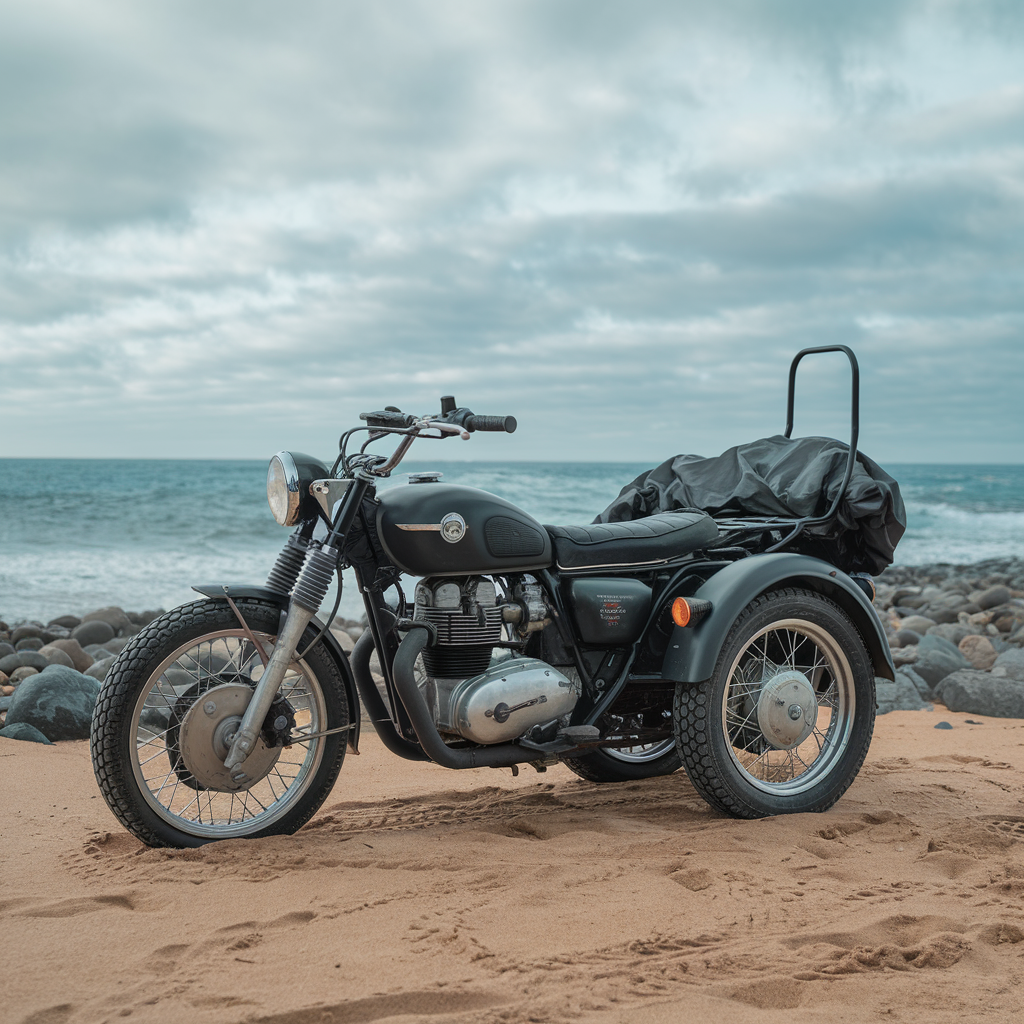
[478, 690]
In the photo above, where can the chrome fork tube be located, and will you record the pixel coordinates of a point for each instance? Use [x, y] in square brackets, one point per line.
[266, 690]
[307, 594]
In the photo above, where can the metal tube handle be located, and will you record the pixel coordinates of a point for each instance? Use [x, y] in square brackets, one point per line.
[854, 416]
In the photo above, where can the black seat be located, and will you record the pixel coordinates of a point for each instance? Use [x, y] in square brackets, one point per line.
[637, 542]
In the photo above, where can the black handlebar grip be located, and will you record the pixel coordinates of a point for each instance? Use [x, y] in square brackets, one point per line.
[506, 423]
[388, 418]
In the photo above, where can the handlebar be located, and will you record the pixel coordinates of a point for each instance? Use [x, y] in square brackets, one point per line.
[395, 419]
[451, 421]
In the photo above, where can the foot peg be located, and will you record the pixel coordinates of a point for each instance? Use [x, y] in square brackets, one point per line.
[580, 734]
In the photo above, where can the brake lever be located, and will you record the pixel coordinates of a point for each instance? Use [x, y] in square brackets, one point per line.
[445, 428]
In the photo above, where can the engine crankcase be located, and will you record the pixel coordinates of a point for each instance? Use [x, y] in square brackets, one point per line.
[510, 697]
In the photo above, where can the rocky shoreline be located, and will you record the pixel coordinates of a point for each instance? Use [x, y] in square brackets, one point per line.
[50, 673]
[956, 633]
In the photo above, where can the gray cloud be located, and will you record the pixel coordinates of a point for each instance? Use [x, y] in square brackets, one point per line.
[226, 229]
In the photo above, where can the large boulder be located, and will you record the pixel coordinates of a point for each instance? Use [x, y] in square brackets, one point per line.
[22, 659]
[55, 656]
[901, 695]
[58, 702]
[937, 657]
[24, 731]
[112, 616]
[73, 649]
[1009, 665]
[978, 693]
[94, 632]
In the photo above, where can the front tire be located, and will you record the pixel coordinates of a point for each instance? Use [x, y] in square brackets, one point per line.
[147, 772]
[784, 723]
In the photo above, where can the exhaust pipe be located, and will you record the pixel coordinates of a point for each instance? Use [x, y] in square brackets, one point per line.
[359, 662]
[503, 756]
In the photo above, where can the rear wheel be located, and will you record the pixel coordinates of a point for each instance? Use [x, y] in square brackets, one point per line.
[627, 764]
[166, 713]
[784, 723]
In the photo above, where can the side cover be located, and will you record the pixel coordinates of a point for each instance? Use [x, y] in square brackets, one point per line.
[495, 536]
[235, 591]
[693, 651]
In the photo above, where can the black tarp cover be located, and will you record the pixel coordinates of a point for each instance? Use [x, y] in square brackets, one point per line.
[780, 476]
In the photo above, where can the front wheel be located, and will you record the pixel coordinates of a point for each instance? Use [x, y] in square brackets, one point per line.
[169, 706]
[784, 723]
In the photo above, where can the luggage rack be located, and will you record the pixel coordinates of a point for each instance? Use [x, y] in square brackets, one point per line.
[739, 531]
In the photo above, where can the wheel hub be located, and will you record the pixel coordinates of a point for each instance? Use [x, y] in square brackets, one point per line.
[787, 709]
[206, 733]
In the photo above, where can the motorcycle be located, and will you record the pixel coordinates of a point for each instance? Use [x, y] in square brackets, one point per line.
[623, 650]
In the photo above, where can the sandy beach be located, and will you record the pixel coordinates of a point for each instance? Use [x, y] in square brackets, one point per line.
[424, 894]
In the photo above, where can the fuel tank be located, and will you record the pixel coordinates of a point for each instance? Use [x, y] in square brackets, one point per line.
[435, 529]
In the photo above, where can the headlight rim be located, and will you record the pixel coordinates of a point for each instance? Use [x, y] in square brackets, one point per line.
[292, 483]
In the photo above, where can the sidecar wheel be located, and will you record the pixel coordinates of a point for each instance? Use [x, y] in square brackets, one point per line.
[163, 711]
[784, 723]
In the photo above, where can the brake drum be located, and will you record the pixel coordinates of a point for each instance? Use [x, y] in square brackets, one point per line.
[205, 738]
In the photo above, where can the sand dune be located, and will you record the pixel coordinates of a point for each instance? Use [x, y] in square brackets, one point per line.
[424, 894]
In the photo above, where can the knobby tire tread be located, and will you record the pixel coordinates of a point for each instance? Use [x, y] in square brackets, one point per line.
[116, 703]
[690, 713]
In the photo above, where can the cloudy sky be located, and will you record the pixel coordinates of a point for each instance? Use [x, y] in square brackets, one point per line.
[228, 228]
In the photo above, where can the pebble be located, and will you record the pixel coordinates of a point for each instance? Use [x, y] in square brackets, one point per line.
[66, 621]
[95, 632]
[918, 623]
[978, 650]
[55, 656]
[113, 616]
[20, 674]
[80, 659]
[27, 632]
[992, 597]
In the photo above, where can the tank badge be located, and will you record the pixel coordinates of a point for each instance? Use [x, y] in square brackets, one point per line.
[453, 527]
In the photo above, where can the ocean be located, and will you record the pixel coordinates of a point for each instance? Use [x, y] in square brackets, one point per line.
[78, 534]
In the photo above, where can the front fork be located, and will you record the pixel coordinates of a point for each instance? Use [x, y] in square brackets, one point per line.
[307, 595]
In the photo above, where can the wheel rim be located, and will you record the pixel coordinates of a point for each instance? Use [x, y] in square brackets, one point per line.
[642, 752]
[176, 685]
[788, 645]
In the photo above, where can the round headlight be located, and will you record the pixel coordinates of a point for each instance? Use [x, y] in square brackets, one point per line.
[283, 489]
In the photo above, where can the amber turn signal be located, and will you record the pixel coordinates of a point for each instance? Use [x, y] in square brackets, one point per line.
[680, 612]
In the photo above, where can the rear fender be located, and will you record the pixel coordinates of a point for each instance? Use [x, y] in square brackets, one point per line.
[693, 651]
[330, 641]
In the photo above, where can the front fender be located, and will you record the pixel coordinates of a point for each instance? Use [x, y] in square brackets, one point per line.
[693, 651]
[235, 591]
